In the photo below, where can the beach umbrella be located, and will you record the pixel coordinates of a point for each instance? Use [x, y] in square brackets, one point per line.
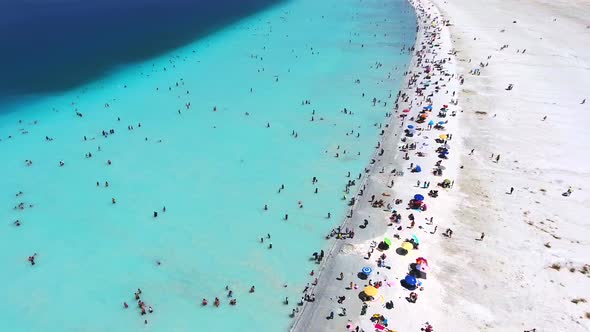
[407, 246]
[410, 280]
[371, 291]
[441, 123]
[430, 123]
[424, 115]
[421, 260]
[428, 108]
[419, 197]
[367, 270]
[447, 181]
[387, 241]
[379, 327]
[406, 111]
[418, 169]
[415, 238]
[443, 136]
[410, 127]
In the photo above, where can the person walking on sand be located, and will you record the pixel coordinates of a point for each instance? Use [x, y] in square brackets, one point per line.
[497, 159]
[511, 190]
[482, 236]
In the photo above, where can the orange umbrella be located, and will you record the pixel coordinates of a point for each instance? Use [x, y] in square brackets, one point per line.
[421, 260]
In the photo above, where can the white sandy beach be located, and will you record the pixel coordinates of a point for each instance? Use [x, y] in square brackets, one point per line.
[530, 271]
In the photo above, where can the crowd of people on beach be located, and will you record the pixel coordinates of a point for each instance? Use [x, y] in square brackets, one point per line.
[426, 79]
[414, 109]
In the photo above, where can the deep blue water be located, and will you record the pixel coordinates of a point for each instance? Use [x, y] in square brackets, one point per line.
[52, 45]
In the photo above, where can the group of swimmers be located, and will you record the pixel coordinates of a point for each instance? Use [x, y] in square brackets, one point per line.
[144, 308]
[230, 294]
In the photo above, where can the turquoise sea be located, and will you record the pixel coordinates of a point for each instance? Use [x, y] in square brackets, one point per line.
[213, 166]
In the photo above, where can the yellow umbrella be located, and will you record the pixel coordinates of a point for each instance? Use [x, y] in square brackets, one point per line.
[443, 136]
[371, 291]
[408, 246]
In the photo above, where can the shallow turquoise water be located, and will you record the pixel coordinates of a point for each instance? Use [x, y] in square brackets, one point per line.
[214, 171]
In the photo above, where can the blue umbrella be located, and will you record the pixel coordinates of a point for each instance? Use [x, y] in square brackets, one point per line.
[411, 126]
[418, 169]
[410, 280]
[428, 108]
[441, 122]
[367, 270]
[430, 123]
[418, 197]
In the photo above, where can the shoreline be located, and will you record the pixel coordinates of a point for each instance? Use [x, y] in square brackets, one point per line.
[514, 154]
[337, 258]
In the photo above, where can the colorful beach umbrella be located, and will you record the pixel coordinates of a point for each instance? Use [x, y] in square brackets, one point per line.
[367, 270]
[410, 280]
[418, 169]
[441, 123]
[443, 136]
[371, 291]
[379, 327]
[407, 246]
[387, 241]
[428, 108]
[421, 260]
[430, 123]
[410, 126]
[406, 111]
[419, 197]
[415, 238]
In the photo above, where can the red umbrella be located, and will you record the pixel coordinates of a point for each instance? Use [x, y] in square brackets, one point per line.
[406, 111]
[421, 260]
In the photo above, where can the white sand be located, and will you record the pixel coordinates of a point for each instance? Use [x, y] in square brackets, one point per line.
[503, 283]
